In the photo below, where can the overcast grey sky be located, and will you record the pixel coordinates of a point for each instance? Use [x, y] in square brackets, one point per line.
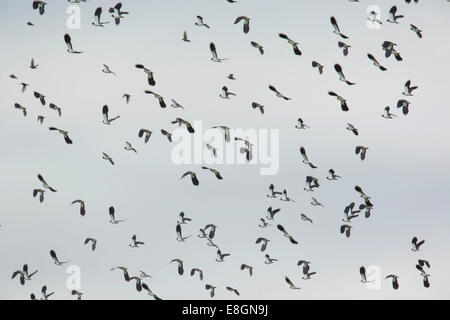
[406, 171]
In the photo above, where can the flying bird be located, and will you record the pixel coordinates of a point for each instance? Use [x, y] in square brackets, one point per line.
[167, 134]
[215, 58]
[271, 212]
[150, 79]
[37, 4]
[361, 150]
[246, 27]
[387, 113]
[235, 291]
[409, 89]
[417, 31]
[56, 260]
[180, 237]
[264, 242]
[404, 104]
[212, 289]
[161, 101]
[199, 271]
[33, 65]
[20, 107]
[392, 15]
[257, 46]
[193, 177]
[376, 63]
[394, 281]
[249, 268]
[200, 22]
[416, 245]
[293, 43]
[45, 184]
[145, 133]
[41, 194]
[286, 234]
[39, 96]
[305, 158]
[92, 241]
[68, 41]
[180, 266]
[336, 28]
[112, 215]
[107, 158]
[289, 282]
[221, 256]
[82, 206]
[225, 94]
[278, 94]
[129, 147]
[338, 69]
[97, 18]
[216, 172]
[135, 243]
[344, 47]
[185, 37]
[343, 102]
[333, 175]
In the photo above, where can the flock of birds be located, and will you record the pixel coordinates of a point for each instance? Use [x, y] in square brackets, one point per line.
[351, 211]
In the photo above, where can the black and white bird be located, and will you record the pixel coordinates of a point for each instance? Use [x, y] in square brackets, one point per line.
[263, 223]
[193, 175]
[387, 113]
[179, 233]
[161, 101]
[221, 256]
[225, 94]
[273, 193]
[305, 158]
[317, 65]
[361, 150]
[264, 242]
[286, 234]
[256, 45]
[345, 47]
[39, 96]
[45, 184]
[97, 18]
[37, 4]
[24, 86]
[394, 280]
[55, 107]
[150, 292]
[343, 102]
[389, 49]
[40, 119]
[293, 43]
[44, 293]
[362, 194]
[216, 172]
[235, 291]
[145, 133]
[311, 183]
[333, 175]
[21, 276]
[183, 219]
[92, 241]
[135, 243]
[409, 89]
[306, 266]
[256, 105]
[336, 28]
[424, 274]
[107, 69]
[350, 213]
[416, 245]
[125, 272]
[286, 198]
[212, 149]
[304, 217]
[249, 268]
[316, 203]
[339, 71]
[422, 263]
[129, 147]
[269, 260]
[77, 294]
[180, 265]
[56, 260]
[417, 31]
[212, 232]
[68, 41]
[200, 22]
[21, 108]
[41, 194]
[118, 8]
[246, 26]
[106, 119]
[374, 17]
[107, 158]
[346, 228]
[212, 289]
[226, 132]
[291, 285]
[352, 128]
[362, 272]
[404, 104]
[376, 63]
[215, 58]
[199, 271]
[167, 134]
[33, 65]
[112, 215]
[300, 124]
[82, 206]
[392, 15]
[231, 76]
[150, 79]
[185, 37]
[176, 105]
[271, 213]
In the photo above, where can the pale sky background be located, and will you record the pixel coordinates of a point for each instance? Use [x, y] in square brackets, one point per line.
[406, 172]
